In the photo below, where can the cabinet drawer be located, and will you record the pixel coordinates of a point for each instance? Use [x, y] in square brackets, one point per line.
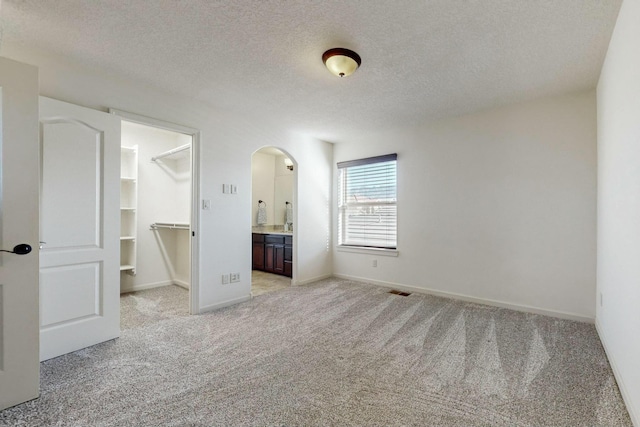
[257, 237]
[274, 239]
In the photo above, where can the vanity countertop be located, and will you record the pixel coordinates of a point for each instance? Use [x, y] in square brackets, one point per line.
[271, 230]
[277, 233]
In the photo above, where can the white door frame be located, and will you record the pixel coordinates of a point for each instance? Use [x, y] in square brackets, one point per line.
[194, 287]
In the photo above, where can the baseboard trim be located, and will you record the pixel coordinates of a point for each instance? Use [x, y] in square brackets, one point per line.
[146, 286]
[313, 279]
[633, 412]
[181, 283]
[223, 304]
[467, 298]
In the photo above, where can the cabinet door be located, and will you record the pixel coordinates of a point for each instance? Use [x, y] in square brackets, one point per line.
[258, 256]
[269, 257]
[288, 268]
[288, 258]
[279, 259]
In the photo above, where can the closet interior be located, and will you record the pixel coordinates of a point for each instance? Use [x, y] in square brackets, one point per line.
[155, 208]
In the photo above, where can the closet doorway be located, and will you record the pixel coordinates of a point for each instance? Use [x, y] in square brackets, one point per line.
[158, 214]
[273, 201]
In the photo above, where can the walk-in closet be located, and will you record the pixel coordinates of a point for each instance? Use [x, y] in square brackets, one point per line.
[155, 208]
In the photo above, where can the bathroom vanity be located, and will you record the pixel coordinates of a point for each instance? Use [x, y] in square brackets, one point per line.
[272, 252]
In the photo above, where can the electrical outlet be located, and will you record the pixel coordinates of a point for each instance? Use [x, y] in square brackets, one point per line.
[374, 263]
[235, 277]
[206, 204]
[225, 279]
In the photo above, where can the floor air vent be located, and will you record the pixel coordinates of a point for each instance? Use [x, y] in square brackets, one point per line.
[402, 294]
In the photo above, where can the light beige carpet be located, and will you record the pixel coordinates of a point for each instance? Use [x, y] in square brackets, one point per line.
[144, 308]
[333, 353]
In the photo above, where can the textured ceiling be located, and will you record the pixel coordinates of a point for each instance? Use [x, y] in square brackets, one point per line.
[421, 60]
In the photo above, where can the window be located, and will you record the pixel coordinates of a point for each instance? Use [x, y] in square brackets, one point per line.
[367, 202]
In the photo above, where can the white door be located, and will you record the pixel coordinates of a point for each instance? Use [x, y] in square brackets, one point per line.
[19, 367]
[80, 227]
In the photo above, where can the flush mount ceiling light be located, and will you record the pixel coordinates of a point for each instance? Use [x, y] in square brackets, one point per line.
[341, 62]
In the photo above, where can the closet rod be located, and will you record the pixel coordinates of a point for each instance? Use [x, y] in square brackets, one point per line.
[170, 152]
[170, 225]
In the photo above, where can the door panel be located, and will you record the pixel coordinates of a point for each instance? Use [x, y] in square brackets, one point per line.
[19, 181]
[82, 281]
[268, 257]
[258, 256]
[71, 218]
[80, 223]
[279, 259]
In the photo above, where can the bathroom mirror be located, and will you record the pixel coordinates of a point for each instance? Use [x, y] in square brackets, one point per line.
[272, 182]
[283, 193]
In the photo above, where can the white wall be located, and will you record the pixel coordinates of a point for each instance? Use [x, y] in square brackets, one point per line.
[164, 195]
[262, 186]
[498, 206]
[314, 183]
[182, 197]
[183, 215]
[618, 316]
[228, 141]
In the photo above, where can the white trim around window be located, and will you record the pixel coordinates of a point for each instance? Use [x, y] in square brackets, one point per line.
[367, 205]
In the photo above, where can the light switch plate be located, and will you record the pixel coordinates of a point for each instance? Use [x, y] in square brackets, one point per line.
[206, 204]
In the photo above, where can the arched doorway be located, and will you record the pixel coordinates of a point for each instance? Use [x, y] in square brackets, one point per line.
[273, 220]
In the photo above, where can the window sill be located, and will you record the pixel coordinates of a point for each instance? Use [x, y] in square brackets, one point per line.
[370, 251]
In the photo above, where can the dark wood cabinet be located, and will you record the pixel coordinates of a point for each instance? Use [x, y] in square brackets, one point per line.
[258, 256]
[273, 253]
[269, 260]
[278, 259]
[288, 256]
[258, 252]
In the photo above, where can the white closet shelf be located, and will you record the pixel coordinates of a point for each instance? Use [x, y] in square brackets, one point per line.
[170, 225]
[128, 208]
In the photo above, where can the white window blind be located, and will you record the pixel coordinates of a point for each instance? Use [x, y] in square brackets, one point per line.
[367, 202]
